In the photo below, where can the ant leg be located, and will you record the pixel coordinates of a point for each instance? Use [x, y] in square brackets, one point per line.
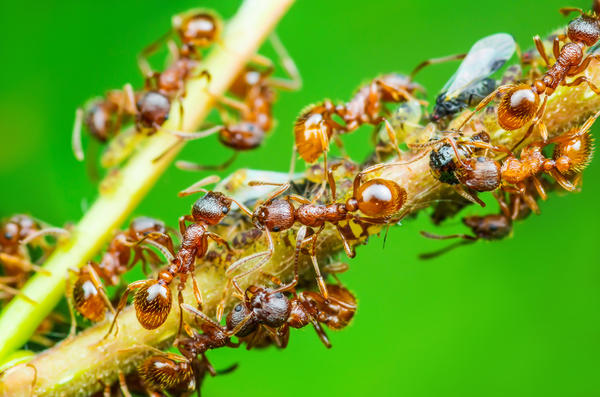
[219, 240]
[539, 188]
[71, 305]
[582, 79]
[35, 376]
[299, 240]
[540, 48]
[582, 66]
[584, 129]
[142, 58]
[392, 135]
[495, 148]
[123, 385]
[197, 186]
[556, 45]
[434, 61]
[484, 103]
[451, 236]
[266, 256]
[16, 292]
[190, 136]
[23, 264]
[567, 10]
[562, 181]
[295, 80]
[397, 93]
[98, 284]
[282, 188]
[313, 257]
[321, 333]
[502, 203]
[347, 248]
[435, 254]
[190, 166]
[121, 305]
[221, 306]
[472, 197]
[55, 231]
[76, 135]
[298, 199]
[182, 220]
[292, 162]
[377, 167]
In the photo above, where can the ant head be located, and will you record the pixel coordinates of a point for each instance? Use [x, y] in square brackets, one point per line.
[275, 216]
[242, 136]
[152, 304]
[87, 299]
[271, 308]
[584, 29]
[380, 198]
[237, 315]
[153, 109]
[211, 208]
[489, 227]
[163, 373]
[197, 28]
[481, 174]
[518, 106]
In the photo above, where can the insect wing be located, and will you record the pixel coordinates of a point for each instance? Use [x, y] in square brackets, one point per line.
[484, 58]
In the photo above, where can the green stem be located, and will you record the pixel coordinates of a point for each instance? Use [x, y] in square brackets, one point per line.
[122, 192]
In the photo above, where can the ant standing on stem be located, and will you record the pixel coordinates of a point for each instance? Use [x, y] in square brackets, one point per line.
[520, 103]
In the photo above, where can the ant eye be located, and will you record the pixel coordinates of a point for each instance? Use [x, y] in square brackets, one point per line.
[279, 295]
[8, 236]
[224, 210]
[238, 308]
[276, 229]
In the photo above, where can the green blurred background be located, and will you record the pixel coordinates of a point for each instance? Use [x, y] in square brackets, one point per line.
[512, 318]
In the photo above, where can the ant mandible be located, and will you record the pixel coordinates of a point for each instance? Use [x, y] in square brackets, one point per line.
[520, 103]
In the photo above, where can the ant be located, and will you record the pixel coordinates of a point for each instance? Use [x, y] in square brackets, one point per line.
[520, 103]
[378, 199]
[572, 153]
[315, 126]
[87, 294]
[254, 92]
[17, 234]
[152, 299]
[103, 117]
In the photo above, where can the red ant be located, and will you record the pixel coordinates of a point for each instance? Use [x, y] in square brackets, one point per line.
[88, 294]
[152, 300]
[378, 199]
[520, 103]
[254, 89]
[315, 126]
[17, 234]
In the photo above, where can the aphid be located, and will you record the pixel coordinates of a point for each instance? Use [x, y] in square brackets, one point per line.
[152, 299]
[254, 90]
[471, 83]
[378, 199]
[520, 103]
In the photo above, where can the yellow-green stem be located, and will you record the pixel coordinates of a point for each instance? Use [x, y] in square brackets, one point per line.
[122, 192]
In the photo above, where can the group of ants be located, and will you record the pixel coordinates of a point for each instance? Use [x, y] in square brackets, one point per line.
[468, 163]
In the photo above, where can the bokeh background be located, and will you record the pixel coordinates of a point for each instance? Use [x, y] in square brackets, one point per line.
[517, 317]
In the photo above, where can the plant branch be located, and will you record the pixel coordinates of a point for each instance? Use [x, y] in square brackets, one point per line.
[122, 192]
[78, 364]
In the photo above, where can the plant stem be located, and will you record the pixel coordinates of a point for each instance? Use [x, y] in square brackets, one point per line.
[123, 191]
[76, 366]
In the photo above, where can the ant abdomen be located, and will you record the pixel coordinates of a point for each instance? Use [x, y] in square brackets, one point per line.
[200, 29]
[380, 197]
[517, 107]
[87, 299]
[312, 133]
[574, 155]
[481, 174]
[152, 304]
[162, 373]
